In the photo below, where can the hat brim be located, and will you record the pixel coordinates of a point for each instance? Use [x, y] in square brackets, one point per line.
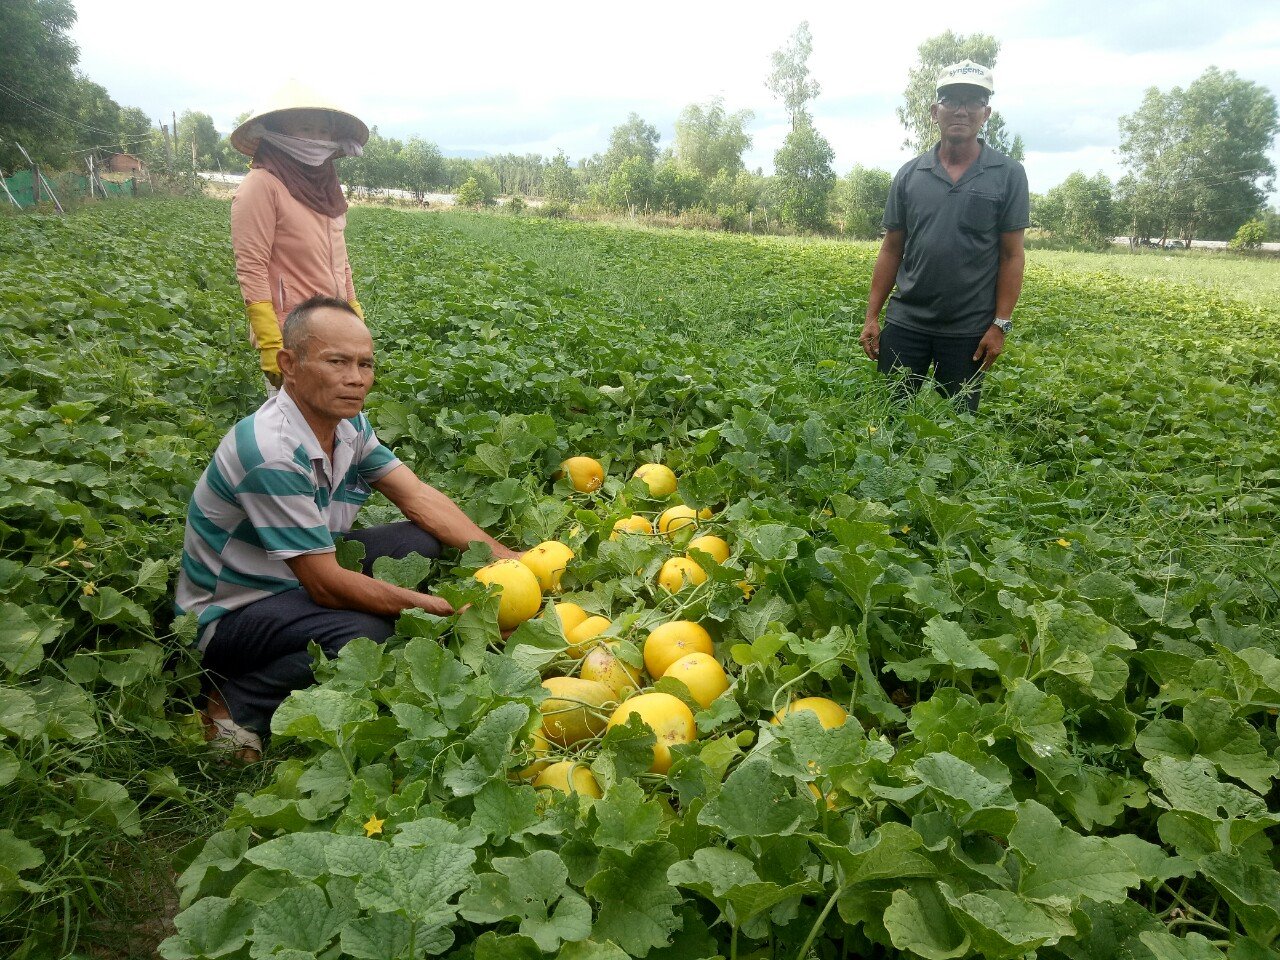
[986, 91]
[346, 126]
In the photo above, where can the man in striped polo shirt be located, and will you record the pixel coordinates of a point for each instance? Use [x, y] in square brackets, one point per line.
[259, 567]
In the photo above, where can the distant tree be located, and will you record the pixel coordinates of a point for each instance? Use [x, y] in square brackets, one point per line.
[196, 127]
[634, 138]
[709, 139]
[1197, 158]
[134, 126]
[677, 187]
[1271, 219]
[471, 194]
[422, 167]
[922, 90]
[630, 187]
[789, 80]
[559, 184]
[1250, 236]
[859, 201]
[1080, 210]
[734, 198]
[803, 178]
[37, 63]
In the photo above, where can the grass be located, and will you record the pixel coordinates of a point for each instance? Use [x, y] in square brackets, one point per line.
[1253, 279]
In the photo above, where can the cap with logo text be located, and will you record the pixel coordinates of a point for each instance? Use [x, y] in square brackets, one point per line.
[966, 73]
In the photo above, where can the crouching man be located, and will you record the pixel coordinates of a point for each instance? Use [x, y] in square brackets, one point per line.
[259, 567]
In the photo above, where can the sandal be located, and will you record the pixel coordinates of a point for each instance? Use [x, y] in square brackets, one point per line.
[223, 733]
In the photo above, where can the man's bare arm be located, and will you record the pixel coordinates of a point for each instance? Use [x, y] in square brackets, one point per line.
[435, 513]
[333, 586]
[882, 279]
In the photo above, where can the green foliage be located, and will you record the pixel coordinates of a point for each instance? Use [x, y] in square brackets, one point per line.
[1080, 210]
[1197, 159]
[559, 185]
[789, 80]
[198, 129]
[1250, 236]
[1054, 626]
[633, 140]
[803, 178]
[859, 200]
[630, 186]
[472, 194]
[710, 140]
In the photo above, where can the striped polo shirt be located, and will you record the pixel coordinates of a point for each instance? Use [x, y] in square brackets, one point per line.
[269, 494]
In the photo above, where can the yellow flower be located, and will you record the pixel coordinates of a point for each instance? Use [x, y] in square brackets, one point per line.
[64, 563]
[1062, 542]
[79, 543]
[906, 529]
[90, 589]
[373, 826]
[872, 430]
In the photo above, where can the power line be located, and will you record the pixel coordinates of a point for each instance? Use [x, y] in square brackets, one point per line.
[53, 113]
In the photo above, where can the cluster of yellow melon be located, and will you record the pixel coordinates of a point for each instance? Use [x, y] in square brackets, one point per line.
[608, 691]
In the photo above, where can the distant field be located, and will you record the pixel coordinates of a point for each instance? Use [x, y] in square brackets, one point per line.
[1256, 280]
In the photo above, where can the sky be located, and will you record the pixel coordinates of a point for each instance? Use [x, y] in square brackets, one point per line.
[541, 77]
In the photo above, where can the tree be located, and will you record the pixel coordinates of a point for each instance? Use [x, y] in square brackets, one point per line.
[471, 194]
[559, 185]
[634, 138]
[195, 127]
[922, 90]
[37, 63]
[1250, 236]
[422, 168]
[1080, 210]
[790, 81]
[1197, 158]
[803, 178]
[1271, 219]
[677, 187]
[859, 200]
[708, 139]
[630, 187]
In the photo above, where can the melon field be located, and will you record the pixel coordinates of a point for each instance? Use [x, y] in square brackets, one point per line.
[1046, 640]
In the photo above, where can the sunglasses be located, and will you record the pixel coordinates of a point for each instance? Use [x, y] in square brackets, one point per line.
[972, 102]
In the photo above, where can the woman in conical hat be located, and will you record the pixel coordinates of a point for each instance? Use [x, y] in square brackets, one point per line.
[288, 216]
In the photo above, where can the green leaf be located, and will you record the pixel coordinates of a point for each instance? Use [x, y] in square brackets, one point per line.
[407, 572]
[314, 855]
[891, 852]
[506, 810]
[919, 920]
[319, 713]
[637, 904]
[17, 855]
[974, 799]
[951, 646]
[756, 802]
[1165, 946]
[1058, 862]
[300, 918]
[532, 890]
[22, 639]
[211, 927]
[626, 818]
[419, 881]
[349, 553]
[730, 881]
[1001, 925]
[1251, 885]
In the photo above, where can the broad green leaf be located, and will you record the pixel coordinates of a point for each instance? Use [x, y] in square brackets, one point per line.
[1251, 885]
[22, 639]
[1002, 925]
[756, 802]
[951, 646]
[407, 572]
[211, 927]
[420, 881]
[971, 796]
[1058, 862]
[919, 920]
[301, 918]
[626, 818]
[891, 852]
[637, 904]
[532, 890]
[1165, 946]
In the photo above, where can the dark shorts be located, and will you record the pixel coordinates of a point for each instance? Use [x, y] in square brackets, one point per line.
[258, 654]
[911, 352]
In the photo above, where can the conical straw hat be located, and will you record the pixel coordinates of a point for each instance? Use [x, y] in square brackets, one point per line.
[294, 96]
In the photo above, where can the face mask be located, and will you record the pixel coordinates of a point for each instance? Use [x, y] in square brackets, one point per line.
[304, 150]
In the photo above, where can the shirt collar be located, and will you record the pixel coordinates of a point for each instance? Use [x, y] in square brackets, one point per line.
[986, 158]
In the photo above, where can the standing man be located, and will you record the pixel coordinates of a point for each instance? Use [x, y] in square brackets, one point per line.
[954, 224]
[259, 567]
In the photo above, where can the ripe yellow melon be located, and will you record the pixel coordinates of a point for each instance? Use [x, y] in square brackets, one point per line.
[521, 595]
[547, 561]
[711, 544]
[671, 641]
[669, 719]
[570, 614]
[829, 713]
[571, 713]
[660, 479]
[678, 572]
[586, 475]
[604, 665]
[569, 776]
[583, 637]
[677, 518]
[702, 674]
[632, 524]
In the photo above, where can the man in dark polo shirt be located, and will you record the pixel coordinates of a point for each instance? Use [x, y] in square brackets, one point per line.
[953, 248]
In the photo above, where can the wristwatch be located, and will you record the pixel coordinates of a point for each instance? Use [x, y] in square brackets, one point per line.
[1004, 325]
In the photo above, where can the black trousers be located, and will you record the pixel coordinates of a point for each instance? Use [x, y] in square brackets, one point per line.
[955, 371]
[258, 654]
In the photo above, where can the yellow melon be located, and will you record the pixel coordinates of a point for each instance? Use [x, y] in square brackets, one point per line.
[521, 595]
[671, 641]
[669, 719]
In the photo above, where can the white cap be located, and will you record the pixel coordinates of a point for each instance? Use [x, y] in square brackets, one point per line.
[967, 73]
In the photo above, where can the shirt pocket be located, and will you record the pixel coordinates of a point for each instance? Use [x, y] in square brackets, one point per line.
[979, 213]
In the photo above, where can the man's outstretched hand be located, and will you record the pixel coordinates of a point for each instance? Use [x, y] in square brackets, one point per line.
[870, 338]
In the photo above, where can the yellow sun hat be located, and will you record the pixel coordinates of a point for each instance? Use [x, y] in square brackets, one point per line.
[294, 96]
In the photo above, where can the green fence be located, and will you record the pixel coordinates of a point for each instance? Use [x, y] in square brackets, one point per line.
[22, 186]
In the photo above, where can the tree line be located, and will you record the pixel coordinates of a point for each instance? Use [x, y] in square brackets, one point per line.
[1195, 159]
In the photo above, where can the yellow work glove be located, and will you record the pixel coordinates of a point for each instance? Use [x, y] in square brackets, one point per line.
[355, 305]
[264, 334]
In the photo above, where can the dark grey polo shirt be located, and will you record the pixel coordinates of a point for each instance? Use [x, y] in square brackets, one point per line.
[947, 281]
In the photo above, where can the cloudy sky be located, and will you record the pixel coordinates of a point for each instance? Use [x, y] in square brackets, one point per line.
[525, 77]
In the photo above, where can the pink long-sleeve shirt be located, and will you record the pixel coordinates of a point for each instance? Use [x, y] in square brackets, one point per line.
[285, 251]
